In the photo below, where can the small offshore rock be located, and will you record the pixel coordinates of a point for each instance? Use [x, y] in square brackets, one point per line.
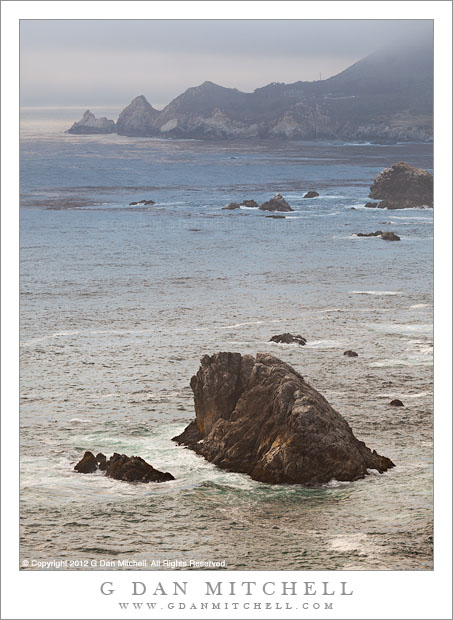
[371, 205]
[87, 465]
[288, 338]
[142, 202]
[350, 353]
[231, 206]
[311, 194]
[390, 236]
[387, 236]
[277, 203]
[276, 217]
[134, 469]
[396, 402]
[122, 467]
[250, 203]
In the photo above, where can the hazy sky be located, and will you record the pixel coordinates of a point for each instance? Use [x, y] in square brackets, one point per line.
[108, 62]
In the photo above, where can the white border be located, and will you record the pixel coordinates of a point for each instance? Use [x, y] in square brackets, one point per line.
[76, 594]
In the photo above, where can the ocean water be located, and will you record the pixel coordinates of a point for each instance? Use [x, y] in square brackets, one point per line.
[118, 303]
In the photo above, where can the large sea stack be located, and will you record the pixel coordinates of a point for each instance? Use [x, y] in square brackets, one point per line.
[137, 118]
[402, 187]
[258, 416]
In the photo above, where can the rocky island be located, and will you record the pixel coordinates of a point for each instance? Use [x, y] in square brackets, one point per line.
[258, 416]
[402, 187]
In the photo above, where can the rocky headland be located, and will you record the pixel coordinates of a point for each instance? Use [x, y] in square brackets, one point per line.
[257, 415]
[402, 187]
[384, 97]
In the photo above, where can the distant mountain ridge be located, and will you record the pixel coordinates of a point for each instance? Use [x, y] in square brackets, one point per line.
[387, 96]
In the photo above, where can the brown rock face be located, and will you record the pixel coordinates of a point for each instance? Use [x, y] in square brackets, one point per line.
[258, 416]
[402, 186]
[122, 467]
[87, 465]
[134, 469]
[277, 203]
[311, 194]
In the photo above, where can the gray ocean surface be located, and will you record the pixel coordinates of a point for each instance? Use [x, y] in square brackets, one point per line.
[118, 303]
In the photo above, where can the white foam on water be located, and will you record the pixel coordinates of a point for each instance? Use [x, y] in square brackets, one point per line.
[421, 306]
[425, 329]
[80, 421]
[374, 293]
[406, 396]
[324, 344]
[242, 324]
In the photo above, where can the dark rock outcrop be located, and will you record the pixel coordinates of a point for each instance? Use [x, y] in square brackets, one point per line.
[134, 469]
[258, 416]
[402, 186]
[276, 217]
[396, 402]
[390, 236]
[87, 465]
[371, 205]
[89, 124]
[277, 203]
[288, 338]
[142, 202]
[137, 118]
[350, 353]
[122, 467]
[311, 194]
[387, 235]
[250, 203]
[101, 461]
[231, 206]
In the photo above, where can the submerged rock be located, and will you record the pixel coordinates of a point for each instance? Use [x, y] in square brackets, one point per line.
[350, 353]
[276, 217]
[277, 203]
[311, 194]
[396, 402]
[402, 186]
[121, 467]
[258, 416]
[89, 124]
[87, 465]
[288, 338]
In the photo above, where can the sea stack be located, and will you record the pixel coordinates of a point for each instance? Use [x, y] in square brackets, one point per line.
[277, 203]
[89, 124]
[257, 415]
[402, 187]
[137, 118]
